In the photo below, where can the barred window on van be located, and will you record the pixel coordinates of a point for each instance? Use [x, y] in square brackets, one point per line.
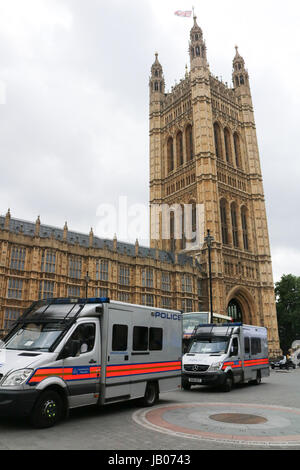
[145, 339]
[255, 346]
[119, 337]
[247, 345]
[156, 339]
[140, 338]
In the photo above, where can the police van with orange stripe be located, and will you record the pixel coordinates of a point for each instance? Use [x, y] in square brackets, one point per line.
[226, 354]
[66, 353]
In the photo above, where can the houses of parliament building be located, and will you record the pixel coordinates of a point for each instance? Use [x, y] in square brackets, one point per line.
[203, 153]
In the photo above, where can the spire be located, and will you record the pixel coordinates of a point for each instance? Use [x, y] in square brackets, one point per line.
[37, 226]
[65, 234]
[115, 243]
[197, 46]
[240, 75]
[91, 237]
[7, 220]
[157, 82]
[137, 247]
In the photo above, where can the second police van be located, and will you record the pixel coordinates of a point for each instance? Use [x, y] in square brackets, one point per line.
[223, 355]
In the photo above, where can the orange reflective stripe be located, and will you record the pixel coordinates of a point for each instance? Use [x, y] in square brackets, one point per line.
[136, 369]
[65, 374]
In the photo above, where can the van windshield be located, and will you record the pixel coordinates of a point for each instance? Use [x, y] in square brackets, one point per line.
[35, 336]
[213, 345]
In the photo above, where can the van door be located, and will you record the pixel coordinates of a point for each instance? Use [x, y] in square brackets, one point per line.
[247, 358]
[82, 372]
[235, 359]
[118, 369]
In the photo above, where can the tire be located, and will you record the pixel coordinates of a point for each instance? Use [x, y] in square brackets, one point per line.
[257, 381]
[48, 410]
[228, 384]
[185, 385]
[151, 394]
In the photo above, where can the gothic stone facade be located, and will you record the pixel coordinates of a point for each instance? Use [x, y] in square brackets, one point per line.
[204, 151]
[38, 261]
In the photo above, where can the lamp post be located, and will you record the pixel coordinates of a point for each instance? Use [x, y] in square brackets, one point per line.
[209, 239]
[87, 280]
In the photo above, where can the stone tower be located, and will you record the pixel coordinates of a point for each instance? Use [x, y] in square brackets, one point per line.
[204, 154]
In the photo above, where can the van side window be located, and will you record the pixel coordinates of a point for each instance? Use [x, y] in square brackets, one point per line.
[156, 339]
[234, 347]
[140, 338]
[247, 346]
[255, 346]
[85, 337]
[119, 337]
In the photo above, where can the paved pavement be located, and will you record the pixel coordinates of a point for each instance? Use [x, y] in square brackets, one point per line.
[202, 418]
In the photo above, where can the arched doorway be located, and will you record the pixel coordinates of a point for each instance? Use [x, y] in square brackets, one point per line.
[241, 305]
[235, 311]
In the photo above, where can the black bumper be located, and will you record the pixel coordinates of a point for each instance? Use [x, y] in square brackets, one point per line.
[17, 402]
[213, 378]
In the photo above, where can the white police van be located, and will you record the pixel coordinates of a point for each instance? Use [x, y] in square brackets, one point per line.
[67, 353]
[223, 355]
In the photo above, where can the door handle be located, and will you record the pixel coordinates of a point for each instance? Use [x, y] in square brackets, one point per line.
[92, 361]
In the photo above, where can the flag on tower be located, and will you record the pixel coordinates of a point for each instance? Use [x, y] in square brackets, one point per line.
[186, 14]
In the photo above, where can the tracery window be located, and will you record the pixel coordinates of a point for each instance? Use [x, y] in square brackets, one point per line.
[235, 234]
[189, 143]
[224, 226]
[245, 228]
[237, 149]
[170, 154]
[218, 145]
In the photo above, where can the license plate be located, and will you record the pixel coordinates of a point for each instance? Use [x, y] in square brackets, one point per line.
[198, 381]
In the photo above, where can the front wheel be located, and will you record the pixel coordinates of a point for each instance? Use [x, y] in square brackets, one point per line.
[48, 410]
[228, 384]
[185, 384]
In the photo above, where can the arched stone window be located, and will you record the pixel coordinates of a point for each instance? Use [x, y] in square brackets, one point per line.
[190, 213]
[244, 219]
[237, 150]
[183, 234]
[172, 232]
[156, 86]
[179, 148]
[218, 142]
[170, 155]
[224, 225]
[189, 142]
[227, 140]
[234, 223]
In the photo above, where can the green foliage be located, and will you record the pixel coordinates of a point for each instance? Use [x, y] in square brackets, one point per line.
[287, 292]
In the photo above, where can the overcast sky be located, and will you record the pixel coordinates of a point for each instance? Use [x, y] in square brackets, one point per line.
[74, 102]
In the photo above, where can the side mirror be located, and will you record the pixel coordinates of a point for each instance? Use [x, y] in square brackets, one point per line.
[71, 349]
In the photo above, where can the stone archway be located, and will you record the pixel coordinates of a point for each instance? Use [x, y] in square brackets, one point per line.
[241, 304]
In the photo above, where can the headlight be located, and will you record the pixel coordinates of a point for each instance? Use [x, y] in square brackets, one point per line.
[17, 378]
[215, 366]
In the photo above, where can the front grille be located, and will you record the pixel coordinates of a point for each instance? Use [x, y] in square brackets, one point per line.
[196, 368]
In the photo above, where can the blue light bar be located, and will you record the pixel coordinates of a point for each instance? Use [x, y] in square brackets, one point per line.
[71, 300]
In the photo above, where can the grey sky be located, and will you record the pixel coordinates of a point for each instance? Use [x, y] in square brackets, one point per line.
[74, 126]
